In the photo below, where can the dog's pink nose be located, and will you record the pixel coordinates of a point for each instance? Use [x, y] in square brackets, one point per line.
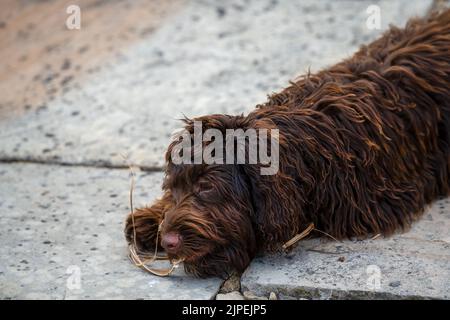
[171, 241]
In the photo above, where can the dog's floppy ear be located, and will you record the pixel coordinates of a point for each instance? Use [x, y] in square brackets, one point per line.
[276, 197]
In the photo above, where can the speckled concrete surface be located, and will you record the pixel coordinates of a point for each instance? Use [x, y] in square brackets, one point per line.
[415, 264]
[209, 57]
[67, 221]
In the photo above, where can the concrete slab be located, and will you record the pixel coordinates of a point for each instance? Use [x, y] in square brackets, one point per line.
[415, 264]
[58, 223]
[208, 57]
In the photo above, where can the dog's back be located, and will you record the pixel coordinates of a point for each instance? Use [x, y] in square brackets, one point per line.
[416, 60]
[389, 109]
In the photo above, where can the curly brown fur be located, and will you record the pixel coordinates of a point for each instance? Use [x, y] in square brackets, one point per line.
[364, 146]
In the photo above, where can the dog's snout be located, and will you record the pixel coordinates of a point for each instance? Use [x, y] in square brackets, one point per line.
[171, 242]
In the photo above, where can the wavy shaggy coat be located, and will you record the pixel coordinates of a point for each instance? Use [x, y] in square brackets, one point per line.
[364, 146]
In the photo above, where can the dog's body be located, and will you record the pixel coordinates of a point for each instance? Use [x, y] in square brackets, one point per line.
[364, 146]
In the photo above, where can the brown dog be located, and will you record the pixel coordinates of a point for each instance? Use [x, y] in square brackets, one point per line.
[363, 147]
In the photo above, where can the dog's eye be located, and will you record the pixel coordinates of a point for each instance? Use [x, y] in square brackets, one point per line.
[204, 189]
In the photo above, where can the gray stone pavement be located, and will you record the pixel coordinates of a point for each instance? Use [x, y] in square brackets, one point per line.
[208, 57]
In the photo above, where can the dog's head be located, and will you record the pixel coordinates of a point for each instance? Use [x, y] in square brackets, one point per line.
[211, 221]
[221, 214]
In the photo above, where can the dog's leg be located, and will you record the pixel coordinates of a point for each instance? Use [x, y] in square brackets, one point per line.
[146, 223]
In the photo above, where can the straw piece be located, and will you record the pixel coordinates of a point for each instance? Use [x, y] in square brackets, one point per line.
[143, 264]
[299, 236]
[323, 232]
[142, 260]
[376, 236]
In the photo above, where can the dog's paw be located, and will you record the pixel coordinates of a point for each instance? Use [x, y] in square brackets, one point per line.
[144, 225]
